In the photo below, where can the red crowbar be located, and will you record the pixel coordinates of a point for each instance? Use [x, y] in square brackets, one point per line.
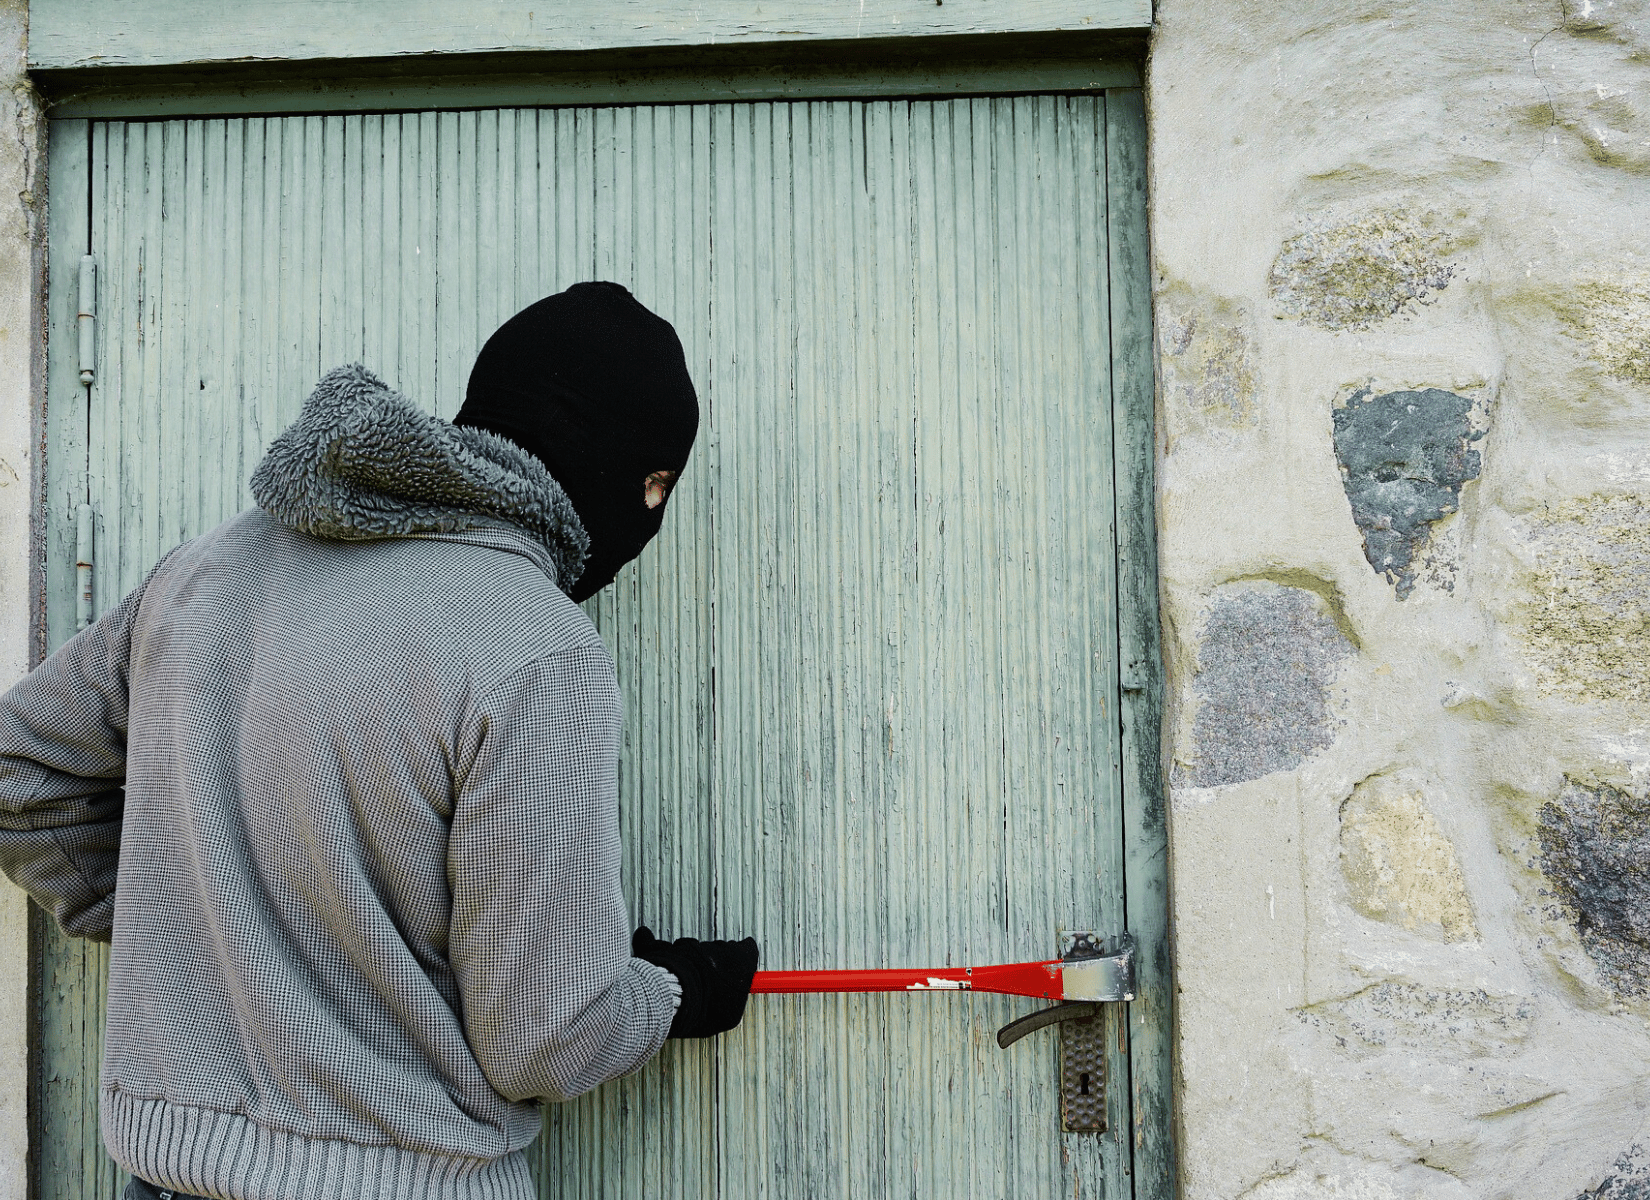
[1044, 980]
[1092, 972]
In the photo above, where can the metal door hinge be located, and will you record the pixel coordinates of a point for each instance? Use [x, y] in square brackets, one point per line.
[85, 521]
[88, 320]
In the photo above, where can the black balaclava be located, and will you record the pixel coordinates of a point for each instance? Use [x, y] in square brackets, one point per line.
[596, 387]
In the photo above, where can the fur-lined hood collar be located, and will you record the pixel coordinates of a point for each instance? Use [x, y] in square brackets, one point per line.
[362, 462]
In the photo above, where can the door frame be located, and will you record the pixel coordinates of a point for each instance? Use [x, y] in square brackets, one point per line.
[914, 68]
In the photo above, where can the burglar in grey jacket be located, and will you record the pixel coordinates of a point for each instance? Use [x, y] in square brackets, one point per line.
[339, 780]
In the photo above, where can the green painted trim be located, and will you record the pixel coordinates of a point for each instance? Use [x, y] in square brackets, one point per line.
[67, 34]
[1081, 65]
[1145, 828]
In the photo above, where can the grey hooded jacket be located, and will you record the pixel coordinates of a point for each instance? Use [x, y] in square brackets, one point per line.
[339, 779]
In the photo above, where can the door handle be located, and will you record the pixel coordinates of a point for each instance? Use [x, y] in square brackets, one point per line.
[1070, 1010]
[1095, 970]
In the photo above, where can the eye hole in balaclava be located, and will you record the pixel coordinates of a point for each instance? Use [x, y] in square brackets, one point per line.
[596, 387]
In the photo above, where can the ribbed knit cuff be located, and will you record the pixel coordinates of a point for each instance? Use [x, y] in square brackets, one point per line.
[213, 1153]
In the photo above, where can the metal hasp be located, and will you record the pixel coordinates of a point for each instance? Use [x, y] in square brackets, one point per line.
[1094, 969]
[87, 320]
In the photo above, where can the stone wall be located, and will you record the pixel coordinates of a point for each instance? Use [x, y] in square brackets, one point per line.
[1402, 258]
[20, 213]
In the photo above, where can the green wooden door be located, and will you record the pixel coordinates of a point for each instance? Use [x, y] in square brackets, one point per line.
[876, 710]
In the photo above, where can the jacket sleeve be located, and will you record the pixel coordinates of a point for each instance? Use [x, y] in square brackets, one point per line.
[554, 1004]
[62, 767]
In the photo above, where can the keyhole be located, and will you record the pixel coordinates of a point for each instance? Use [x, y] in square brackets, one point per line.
[1083, 1084]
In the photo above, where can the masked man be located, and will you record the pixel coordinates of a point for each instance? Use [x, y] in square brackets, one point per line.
[339, 780]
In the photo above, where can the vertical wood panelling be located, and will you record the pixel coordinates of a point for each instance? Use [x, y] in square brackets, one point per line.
[869, 668]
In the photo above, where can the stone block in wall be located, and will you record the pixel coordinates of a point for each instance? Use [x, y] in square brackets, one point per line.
[1627, 1179]
[1404, 458]
[1207, 360]
[1584, 624]
[1399, 866]
[1595, 853]
[1266, 659]
[1354, 271]
[1611, 318]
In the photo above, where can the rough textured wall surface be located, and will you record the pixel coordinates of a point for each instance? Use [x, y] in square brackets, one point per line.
[19, 220]
[1403, 306]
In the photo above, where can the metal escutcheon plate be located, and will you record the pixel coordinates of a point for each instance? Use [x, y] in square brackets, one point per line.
[1083, 1075]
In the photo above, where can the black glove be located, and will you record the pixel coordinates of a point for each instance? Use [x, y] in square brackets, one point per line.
[715, 979]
